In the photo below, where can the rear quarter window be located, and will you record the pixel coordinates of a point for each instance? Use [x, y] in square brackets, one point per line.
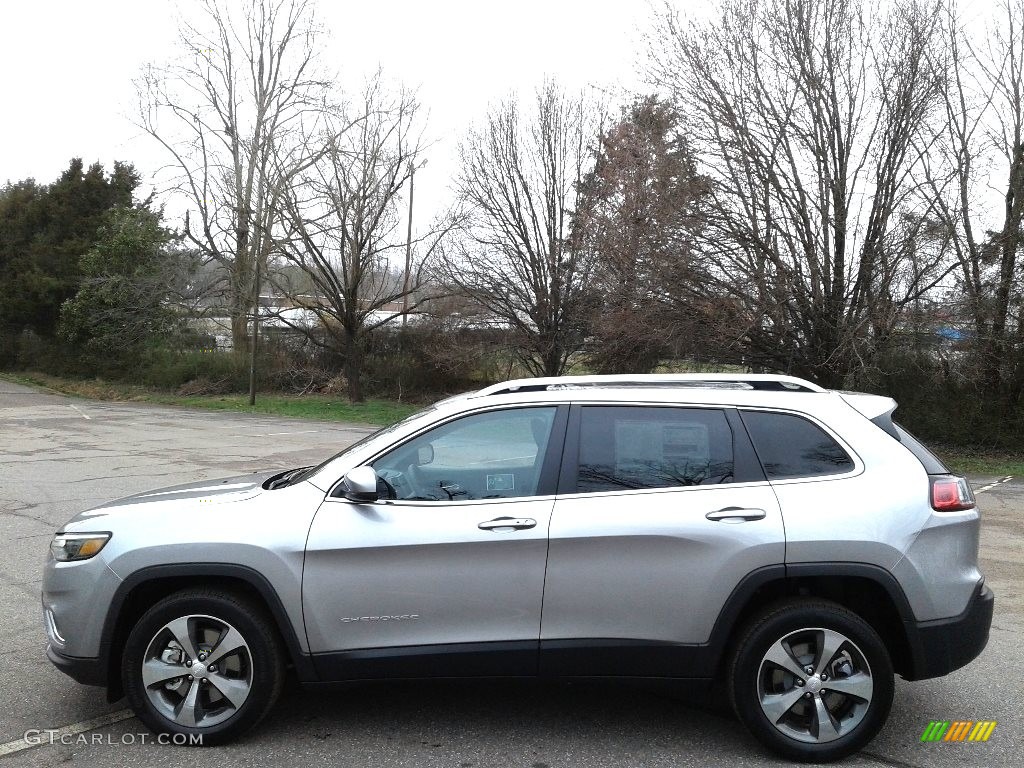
[931, 463]
[791, 446]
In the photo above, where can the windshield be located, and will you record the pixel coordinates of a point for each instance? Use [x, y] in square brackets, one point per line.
[359, 443]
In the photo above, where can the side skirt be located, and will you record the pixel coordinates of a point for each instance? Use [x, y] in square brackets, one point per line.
[500, 659]
[589, 658]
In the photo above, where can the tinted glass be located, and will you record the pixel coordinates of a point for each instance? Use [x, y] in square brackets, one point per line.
[626, 448]
[493, 455]
[931, 463]
[791, 446]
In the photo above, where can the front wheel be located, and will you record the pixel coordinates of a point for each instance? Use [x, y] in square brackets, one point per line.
[202, 664]
[811, 680]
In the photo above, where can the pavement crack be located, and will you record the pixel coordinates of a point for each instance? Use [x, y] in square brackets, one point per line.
[20, 510]
[888, 760]
[1013, 631]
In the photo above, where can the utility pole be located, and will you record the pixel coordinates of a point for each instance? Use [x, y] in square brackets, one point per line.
[255, 340]
[408, 248]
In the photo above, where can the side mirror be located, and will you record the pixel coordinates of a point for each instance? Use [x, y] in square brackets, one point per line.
[360, 485]
[425, 454]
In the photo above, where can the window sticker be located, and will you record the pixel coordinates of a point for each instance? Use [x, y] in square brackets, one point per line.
[502, 482]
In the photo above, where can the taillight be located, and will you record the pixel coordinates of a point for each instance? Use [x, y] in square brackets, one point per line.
[951, 493]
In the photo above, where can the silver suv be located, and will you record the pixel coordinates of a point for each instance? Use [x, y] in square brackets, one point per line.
[792, 544]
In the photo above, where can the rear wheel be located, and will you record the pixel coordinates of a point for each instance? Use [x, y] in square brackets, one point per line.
[811, 680]
[202, 663]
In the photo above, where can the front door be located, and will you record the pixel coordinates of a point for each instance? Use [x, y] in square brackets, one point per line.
[444, 575]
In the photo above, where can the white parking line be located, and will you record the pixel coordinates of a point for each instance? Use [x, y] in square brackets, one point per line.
[499, 461]
[990, 486]
[82, 413]
[44, 736]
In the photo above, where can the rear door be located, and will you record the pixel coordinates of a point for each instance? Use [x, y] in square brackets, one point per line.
[661, 512]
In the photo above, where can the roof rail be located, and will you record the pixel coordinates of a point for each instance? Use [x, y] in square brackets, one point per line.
[754, 381]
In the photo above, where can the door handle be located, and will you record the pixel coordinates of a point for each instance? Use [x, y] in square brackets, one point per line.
[510, 523]
[736, 514]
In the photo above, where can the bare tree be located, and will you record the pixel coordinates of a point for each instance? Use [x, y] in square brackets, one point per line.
[341, 225]
[228, 113]
[519, 177]
[810, 117]
[981, 149]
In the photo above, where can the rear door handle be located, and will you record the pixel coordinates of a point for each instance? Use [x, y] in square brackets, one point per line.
[736, 514]
[508, 523]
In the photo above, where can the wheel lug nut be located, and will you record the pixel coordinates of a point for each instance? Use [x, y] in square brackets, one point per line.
[191, 678]
[824, 678]
[808, 670]
[799, 683]
[808, 695]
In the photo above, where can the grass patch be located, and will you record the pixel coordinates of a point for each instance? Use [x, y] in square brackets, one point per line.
[981, 461]
[321, 407]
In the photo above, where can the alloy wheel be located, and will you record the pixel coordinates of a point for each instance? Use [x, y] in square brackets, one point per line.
[197, 671]
[814, 685]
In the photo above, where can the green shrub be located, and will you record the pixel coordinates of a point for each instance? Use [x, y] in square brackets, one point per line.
[942, 402]
[170, 369]
[423, 361]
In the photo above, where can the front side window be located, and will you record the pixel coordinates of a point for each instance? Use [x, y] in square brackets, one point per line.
[635, 447]
[360, 443]
[791, 446]
[492, 455]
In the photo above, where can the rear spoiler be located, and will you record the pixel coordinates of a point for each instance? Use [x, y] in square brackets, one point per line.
[878, 409]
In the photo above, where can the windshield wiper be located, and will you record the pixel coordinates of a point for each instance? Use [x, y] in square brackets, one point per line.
[286, 479]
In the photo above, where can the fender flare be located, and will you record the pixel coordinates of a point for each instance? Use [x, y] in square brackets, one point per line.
[111, 625]
[726, 624]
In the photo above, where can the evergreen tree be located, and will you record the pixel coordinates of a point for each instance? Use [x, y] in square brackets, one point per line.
[638, 210]
[122, 304]
[44, 230]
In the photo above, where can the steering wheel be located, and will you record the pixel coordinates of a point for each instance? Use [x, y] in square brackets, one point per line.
[394, 482]
[419, 486]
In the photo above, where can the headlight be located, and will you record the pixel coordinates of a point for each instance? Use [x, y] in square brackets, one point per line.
[77, 546]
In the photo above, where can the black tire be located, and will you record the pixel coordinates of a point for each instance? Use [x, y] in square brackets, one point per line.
[800, 622]
[261, 664]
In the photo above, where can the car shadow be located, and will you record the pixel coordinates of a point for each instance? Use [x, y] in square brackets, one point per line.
[464, 721]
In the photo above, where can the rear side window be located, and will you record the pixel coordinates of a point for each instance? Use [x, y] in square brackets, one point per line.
[792, 446]
[630, 447]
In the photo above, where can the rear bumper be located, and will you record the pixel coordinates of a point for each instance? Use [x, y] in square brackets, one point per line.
[938, 647]
[84, 671]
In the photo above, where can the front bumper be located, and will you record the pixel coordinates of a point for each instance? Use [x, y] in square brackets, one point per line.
[938, 647]
[78, 596]
[84, 671]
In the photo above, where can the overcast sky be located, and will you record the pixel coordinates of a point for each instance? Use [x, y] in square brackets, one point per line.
[67, 67]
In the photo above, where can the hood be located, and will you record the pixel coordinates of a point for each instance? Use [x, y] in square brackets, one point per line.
[216, 491]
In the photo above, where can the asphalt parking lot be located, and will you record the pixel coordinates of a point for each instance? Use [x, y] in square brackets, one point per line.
[59, 456]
